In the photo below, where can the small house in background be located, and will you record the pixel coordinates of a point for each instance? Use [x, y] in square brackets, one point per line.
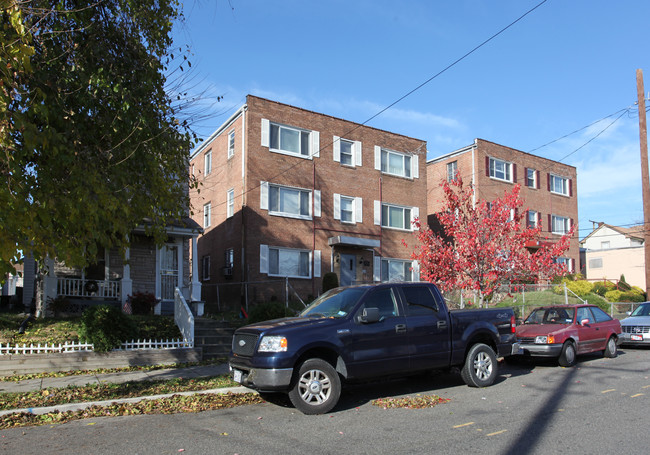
[112, 278]
[612, 251]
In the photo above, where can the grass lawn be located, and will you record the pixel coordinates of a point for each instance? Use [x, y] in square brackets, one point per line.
[60, 330]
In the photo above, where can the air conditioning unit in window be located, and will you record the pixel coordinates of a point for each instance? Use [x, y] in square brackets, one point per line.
[227, 271]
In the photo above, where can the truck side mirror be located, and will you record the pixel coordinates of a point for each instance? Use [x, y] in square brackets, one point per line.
[369, 316]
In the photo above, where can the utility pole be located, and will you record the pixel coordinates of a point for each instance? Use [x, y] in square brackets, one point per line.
[645, 180]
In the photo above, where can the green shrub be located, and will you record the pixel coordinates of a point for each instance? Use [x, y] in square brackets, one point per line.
[268, 311]
[580, 288]
[330, 281]
[639, 291]
[631, 296]
[623, 286]
[601, 287]
[598, 301]
[613, 296]
[106, 327]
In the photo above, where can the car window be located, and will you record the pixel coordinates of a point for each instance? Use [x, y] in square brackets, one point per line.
[600, 315]
[419, 300]
[585, 313]
[384, 300]
[642, 310]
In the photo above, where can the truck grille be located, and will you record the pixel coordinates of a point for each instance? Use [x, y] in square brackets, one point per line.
[244, 344]
[636, 328]
[526, 339]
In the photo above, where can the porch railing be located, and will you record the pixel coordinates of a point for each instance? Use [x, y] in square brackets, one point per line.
[183, 317]
[77, 287]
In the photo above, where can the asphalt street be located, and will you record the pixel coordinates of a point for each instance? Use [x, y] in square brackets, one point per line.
[599, 406]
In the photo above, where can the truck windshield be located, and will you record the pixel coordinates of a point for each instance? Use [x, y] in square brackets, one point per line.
[551, 316]
[335, 303]
[641, 310]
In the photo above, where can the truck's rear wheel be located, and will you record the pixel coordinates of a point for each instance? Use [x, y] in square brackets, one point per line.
[480, 369]
[317, 387]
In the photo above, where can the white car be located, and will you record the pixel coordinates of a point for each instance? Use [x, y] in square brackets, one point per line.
[636, 328]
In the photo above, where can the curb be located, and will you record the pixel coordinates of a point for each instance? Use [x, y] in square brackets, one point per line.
[80, 406]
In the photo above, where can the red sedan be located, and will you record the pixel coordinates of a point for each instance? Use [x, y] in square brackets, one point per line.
[563, 331]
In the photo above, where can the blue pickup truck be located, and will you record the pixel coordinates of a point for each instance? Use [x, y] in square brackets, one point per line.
[369, 331]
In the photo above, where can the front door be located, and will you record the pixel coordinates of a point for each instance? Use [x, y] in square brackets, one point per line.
[168, 271]
[348, 269]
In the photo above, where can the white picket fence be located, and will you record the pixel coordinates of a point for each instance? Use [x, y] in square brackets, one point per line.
[73, 346]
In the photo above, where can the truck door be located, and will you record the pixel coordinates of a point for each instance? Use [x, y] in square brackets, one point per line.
[428, 328]
[378, 348]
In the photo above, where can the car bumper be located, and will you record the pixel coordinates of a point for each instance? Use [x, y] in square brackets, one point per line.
[262, 378]
[509, 349]
[634, 338]
[541, 350]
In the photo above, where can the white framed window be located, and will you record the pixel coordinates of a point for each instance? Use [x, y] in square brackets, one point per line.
[231, 144]
[531, 178]
[395, 216]
[396, 270]
[289, 262]
[565, 261]
[205, 268]
[596, 263]
[230, 257]
[452, 170]
[290, 140]
[532, 219]
[289, 201]
[560, 224]
[559, 185]
[207, 162]
[207, 215]
[396, 163]
[348, 209]
[347, 152]
[605, 245]
[500, 170]
[231, 202]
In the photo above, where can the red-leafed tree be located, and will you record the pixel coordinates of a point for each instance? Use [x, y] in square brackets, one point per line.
[482, 245]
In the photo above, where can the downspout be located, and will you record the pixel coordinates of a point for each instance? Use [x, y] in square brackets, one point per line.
[243, 195]
[474, 174]
[313, 224]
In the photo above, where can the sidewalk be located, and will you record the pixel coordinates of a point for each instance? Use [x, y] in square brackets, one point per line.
[115, 378]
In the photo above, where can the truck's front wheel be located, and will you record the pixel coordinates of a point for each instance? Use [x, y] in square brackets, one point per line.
[480, 369]
[317, 387]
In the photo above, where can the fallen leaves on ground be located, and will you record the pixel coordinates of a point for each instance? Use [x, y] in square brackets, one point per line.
[171, 405]
[417, 402]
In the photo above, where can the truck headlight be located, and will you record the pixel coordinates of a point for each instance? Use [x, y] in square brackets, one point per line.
[273, 344]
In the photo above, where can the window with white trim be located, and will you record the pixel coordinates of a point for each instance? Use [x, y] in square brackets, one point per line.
[231, 202]
[207, 215]
[532, 219]
[531, 178]
[559, 185]
[205, 266]
[396, 217]
[395, 270]
[565, 261]
[395, 163]
[452, 170]
[207, 162]
[347, 149]
[596, 263]
[230, 257]
[289, 201]
[289, 262]
[500, 169]
[231, 144]
[348, 209]
[605, 245]
[290, 140]
[560, 224]
[346, 152]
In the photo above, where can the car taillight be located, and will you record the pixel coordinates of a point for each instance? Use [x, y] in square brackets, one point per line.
[513, 324]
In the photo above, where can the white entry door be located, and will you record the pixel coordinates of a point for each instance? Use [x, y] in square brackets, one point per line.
[168, 271]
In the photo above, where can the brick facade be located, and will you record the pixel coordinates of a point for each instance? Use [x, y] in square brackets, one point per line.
[473, 165]
[257, 168]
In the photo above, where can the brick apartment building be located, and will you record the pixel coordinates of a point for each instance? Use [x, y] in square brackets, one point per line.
[548, 188]
[286, 192]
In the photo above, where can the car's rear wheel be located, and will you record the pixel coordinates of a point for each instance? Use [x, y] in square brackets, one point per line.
[611, 350]
[568, 355]
[317, 387]
[480, 368]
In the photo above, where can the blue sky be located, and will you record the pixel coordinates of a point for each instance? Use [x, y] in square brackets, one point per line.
[564, 66]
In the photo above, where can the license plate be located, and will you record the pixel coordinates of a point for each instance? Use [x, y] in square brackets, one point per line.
[636, 337]
[236, 376]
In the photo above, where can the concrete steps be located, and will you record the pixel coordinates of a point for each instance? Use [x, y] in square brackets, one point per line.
[213, 337]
